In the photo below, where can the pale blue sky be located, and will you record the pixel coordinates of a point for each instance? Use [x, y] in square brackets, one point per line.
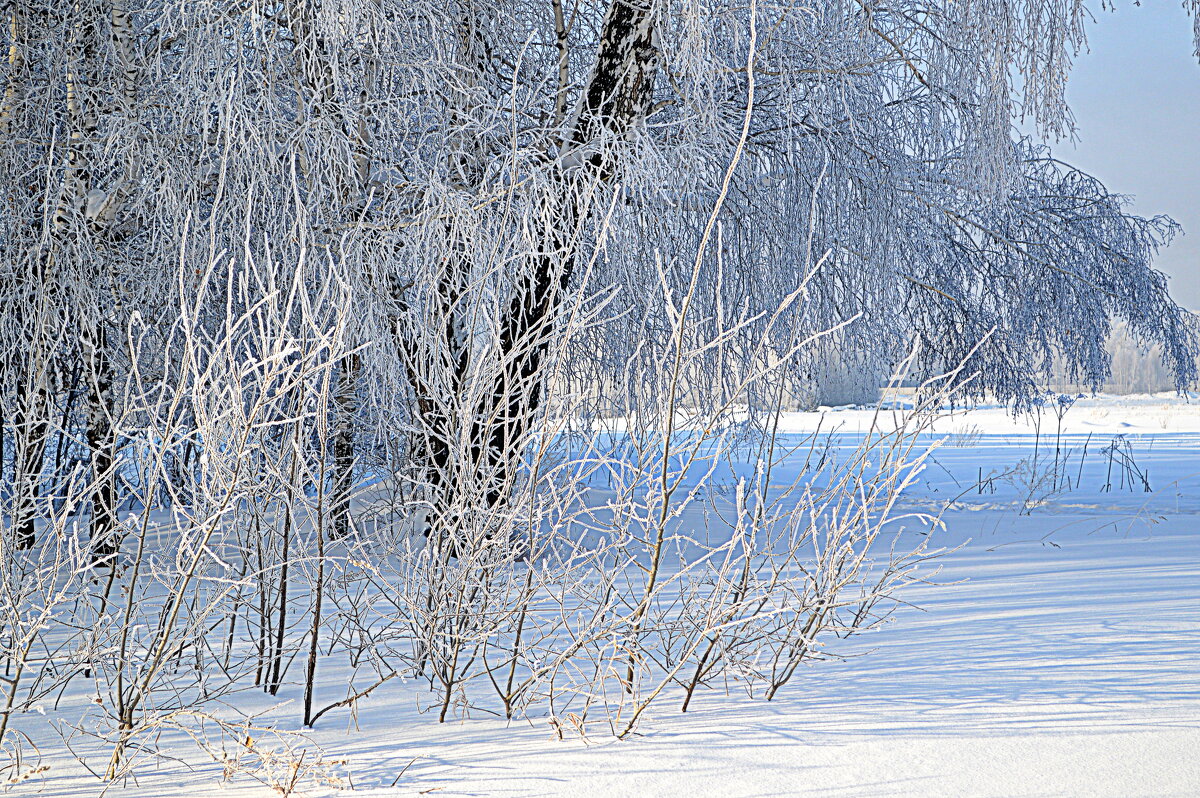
[1136, 98]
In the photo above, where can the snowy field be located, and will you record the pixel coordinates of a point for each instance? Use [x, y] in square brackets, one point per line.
[1058, 655]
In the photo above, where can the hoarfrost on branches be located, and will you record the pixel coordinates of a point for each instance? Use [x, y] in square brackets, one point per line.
[487, 255]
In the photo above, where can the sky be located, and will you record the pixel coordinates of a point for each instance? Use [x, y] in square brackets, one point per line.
[1136, 100]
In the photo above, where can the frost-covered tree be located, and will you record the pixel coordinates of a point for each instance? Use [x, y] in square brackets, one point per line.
[542, 270]
[480, 170]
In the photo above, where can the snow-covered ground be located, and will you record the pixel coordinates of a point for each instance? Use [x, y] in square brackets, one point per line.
[1059, 655]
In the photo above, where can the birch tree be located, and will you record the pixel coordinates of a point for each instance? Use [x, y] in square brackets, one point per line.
[487, 255]
[483, 169]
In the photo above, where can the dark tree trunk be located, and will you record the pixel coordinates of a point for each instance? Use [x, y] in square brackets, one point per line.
[617, 96]
[343, 445]
[102, 447]
[29, 447]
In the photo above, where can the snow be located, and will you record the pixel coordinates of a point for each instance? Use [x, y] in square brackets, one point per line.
[1146, 414]
[1058, 654]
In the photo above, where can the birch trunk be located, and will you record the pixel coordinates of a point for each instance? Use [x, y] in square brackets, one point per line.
[616, 98]
[103, 446]
[29, 446]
